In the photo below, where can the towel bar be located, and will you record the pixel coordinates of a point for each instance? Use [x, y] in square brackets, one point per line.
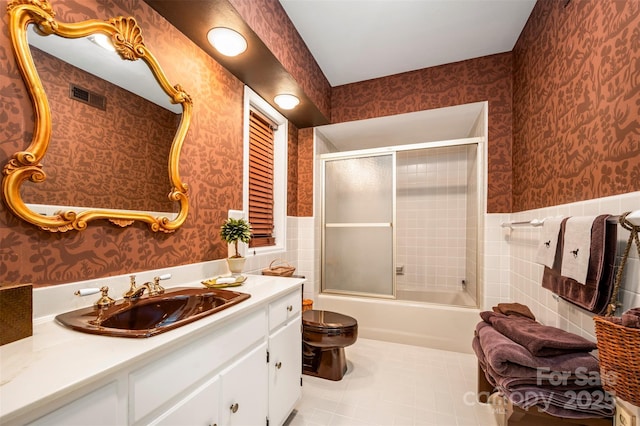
[633, 217]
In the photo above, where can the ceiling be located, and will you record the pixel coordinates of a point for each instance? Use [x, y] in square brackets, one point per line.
[441, 124]
[357, 40]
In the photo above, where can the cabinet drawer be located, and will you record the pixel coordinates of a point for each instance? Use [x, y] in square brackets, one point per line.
[285, 308]
[157, 383]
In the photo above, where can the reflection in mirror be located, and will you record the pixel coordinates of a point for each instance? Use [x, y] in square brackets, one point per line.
[109, 122]
[100, 130]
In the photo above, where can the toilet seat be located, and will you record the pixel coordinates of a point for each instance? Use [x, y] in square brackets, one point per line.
[327, 322]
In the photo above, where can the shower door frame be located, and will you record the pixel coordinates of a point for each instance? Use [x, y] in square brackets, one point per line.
[479, 141]
[324, 158]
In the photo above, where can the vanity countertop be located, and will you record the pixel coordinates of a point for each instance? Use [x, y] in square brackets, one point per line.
[56, 361]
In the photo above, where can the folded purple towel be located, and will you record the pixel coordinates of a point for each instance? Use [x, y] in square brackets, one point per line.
[540, 340]
[475, 344]
[630, 318]
[514, 309]
[509, 359]
[592, 402]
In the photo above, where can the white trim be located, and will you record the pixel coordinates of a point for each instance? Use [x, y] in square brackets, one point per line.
[252, 99]
[408, 147]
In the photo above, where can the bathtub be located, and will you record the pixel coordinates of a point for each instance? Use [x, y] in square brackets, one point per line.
[401, 321]
[439, 297]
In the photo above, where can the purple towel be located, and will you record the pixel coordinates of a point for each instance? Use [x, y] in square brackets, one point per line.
[475, 344]
[510, 359]
[540, 340]
[630, 318]
[595, 294]
[586, 403]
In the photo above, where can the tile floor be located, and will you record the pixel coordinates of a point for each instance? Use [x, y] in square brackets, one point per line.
[393, 384]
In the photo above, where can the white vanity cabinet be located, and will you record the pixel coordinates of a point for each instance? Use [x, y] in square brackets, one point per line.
[285, 364]
[242, 369]
[199, 408]
[244, 387]
[99, 407]
[157, 387]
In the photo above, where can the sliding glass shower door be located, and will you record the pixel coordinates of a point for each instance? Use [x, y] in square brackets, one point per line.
[357, 229]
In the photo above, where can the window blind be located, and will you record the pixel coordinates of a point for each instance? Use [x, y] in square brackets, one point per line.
[261, 180]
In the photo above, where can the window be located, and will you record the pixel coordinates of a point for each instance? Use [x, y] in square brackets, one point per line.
[265, 169]
[261, 180]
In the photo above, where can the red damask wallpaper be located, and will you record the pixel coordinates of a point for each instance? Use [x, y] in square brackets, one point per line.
[292, 170]
[210, 163]
[305, 172]
[483, 79]
[563, 126]
[113, 158]
[270, 22]
[576, 112]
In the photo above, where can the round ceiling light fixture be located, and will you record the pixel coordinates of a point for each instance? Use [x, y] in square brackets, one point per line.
[286, 101]
[227, 41]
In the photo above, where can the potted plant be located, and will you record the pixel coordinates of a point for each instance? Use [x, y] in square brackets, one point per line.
[232, 231]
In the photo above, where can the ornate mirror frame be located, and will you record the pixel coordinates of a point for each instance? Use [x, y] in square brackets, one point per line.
[126, 37]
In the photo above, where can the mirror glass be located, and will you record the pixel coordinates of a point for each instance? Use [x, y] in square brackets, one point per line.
[112, 126]
[108, 126]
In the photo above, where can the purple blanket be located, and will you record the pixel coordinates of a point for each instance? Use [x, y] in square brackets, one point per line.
[509, 359]
[540, 340]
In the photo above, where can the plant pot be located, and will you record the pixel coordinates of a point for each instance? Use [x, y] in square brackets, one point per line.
[236, 264]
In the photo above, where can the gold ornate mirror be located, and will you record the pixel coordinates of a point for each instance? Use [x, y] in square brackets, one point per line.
[99, 130]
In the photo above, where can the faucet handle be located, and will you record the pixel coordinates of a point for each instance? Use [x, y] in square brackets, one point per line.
[105, 301]
[156, 283]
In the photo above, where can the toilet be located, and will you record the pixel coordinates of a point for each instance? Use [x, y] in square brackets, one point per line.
[325, 334]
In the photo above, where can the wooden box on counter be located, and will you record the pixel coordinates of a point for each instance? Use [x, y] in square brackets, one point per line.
[16, 312]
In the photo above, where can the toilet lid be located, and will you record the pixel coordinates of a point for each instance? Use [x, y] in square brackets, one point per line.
[327, 319]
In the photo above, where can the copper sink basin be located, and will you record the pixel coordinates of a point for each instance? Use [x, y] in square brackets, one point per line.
[148, 316]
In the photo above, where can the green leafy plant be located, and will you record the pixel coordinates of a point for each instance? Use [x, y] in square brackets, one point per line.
[234, 230]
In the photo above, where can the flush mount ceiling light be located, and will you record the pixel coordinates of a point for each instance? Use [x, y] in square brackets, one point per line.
[227, 41]
[103, 41]
[286, 101]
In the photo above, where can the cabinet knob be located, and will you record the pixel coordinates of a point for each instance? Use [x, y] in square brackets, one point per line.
[278, 365]
[289, 308]
[234, 408]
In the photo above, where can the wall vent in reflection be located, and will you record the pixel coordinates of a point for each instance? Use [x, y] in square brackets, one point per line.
[88, 97]
[400, 270]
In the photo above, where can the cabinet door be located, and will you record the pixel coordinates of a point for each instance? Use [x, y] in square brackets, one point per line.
[200, 408]
[244, 387]
[285, 369]
[285, 309]
[98, 408]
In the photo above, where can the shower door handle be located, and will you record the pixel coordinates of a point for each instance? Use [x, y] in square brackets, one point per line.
[360, 225]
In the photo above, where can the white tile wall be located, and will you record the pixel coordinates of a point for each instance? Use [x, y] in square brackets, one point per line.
[518, 279]
[300, 253]
[431, 214]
